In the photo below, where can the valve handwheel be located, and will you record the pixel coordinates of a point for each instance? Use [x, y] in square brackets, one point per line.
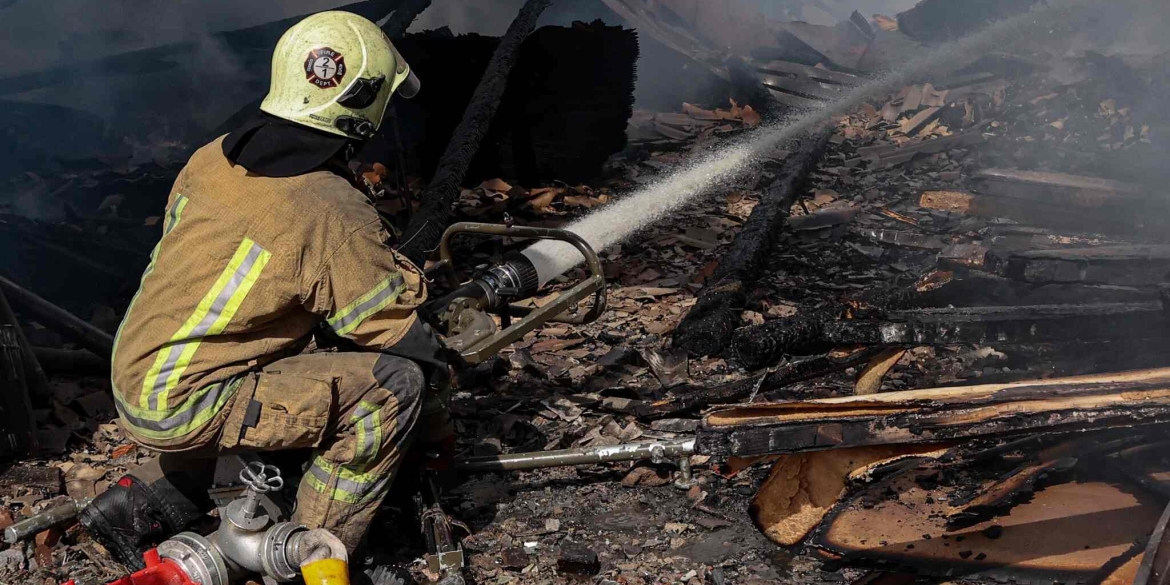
[262, 478]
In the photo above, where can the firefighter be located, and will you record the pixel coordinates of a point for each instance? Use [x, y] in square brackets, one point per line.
[268, 247]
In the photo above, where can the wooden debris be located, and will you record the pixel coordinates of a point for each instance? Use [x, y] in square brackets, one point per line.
[1121, 399]
[894, 155]
[870, 380]
[998, 498]
[1135, 265]
[691, 399]
[1054, 200]
[71, 361]
[1067, 533]
[709, 325]
[1056, 188]
[426, 227]
[801, 86]
[760, 344]
[1145, 465]
[802, 487]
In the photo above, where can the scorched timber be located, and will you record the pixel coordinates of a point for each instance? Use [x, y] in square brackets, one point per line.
[934, 415]
[1115, 265]
[427, 227]
[693, 399]
[762, 344]
[709, 326]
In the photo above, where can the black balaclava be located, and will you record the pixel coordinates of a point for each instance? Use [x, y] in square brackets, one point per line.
[274, 147]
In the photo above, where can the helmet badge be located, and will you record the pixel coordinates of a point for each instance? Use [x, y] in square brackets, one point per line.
[325, 67]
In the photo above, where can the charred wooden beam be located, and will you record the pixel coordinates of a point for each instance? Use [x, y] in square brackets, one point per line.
[1115, 265]
[425, 229]
[1026, 324]
[17, 436]
[63, 321]
[692, 399]
[803, 334]
[710, 324]
[1056, 188]
[1055, 199]
[1099, 401]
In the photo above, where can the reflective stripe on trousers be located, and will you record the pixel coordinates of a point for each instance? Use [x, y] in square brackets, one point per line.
[367, 419]
[353, 485]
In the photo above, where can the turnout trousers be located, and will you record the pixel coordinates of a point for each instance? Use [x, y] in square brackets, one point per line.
[357, 411]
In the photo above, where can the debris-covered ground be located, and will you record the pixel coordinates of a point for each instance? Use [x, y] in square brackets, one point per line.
[1007, 186]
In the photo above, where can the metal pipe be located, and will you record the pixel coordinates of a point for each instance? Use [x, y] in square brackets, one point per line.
[654, 450]
[44, 520]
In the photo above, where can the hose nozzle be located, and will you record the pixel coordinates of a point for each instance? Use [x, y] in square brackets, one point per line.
[514, 279]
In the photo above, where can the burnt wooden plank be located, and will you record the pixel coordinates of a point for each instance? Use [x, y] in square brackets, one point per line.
[1101, 401]
[691, 399]
[1117, 265]
[1060, 188]
[810, 333]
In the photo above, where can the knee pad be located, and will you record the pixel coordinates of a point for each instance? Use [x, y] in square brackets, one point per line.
[403, 377]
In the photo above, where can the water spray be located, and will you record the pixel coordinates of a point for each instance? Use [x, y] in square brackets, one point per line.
[618, 221]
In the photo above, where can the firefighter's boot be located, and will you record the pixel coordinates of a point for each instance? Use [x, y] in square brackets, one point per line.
[151, 503]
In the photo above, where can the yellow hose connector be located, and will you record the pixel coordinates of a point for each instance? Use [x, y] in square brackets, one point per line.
[326, 572]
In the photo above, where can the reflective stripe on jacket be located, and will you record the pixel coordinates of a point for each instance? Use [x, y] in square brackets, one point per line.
[246, 267]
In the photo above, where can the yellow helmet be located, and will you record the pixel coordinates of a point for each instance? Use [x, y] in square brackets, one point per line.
[335, 71]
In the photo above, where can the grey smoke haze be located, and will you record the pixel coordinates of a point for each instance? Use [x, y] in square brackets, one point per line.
[35, 34]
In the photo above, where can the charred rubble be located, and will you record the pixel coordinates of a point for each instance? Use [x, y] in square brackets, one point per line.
[922, 343]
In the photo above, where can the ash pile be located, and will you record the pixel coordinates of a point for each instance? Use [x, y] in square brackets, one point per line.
[922, 343]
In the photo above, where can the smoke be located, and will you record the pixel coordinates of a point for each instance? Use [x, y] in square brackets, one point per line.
[614, 223]
[39, 34]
